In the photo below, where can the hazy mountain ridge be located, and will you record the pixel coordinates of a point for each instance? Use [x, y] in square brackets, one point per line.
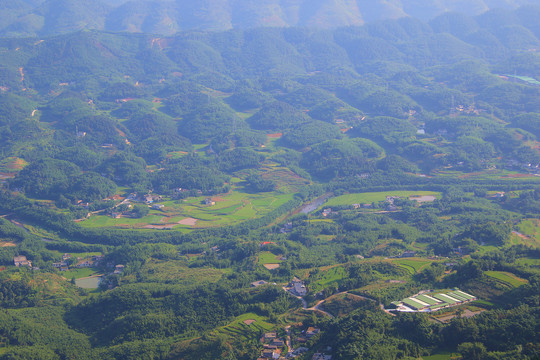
[46, 17]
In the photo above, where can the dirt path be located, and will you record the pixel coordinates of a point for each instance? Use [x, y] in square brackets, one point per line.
[288, 339]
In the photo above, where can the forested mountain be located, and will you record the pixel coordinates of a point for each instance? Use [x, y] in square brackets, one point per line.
[46, 17]
[158, 193]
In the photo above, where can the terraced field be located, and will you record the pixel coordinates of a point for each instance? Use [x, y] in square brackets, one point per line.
[506, 278]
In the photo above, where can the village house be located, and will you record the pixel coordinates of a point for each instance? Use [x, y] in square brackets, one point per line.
[326, 212]
[269, 336]
[62, 266]
[209, 202]
[158, 206]
[278, 343]
[148, 199]
[21, 260]
[84, 264]
[269, 354]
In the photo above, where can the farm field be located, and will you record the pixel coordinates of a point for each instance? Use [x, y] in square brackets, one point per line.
[507, 278]
[230, 208]
[369, 197]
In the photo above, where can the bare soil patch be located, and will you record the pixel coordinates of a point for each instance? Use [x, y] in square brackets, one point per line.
[423, 198]
[158, 227]
[7, 244]
[271, 266]
[188, 221]
[275, 136]
[249, 322]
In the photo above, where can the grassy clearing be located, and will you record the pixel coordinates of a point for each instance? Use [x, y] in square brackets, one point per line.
[369, 197]
[266, 257]
[78, 273]
[507, 278]
[413, 265]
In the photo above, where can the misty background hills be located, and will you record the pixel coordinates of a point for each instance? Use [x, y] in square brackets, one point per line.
[166, 17]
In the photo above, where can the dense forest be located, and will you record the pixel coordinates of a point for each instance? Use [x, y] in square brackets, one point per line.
[159, 193]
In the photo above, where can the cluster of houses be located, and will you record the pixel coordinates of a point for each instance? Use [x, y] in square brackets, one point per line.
[428, 301]
[146, 198]
[209, 202]
[80, 263]
[272, 346]
[21, 260]
[390, 203]
[297, 287]
[307, 335]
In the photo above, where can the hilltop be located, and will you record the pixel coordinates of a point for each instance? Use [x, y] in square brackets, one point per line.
[46, 17]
